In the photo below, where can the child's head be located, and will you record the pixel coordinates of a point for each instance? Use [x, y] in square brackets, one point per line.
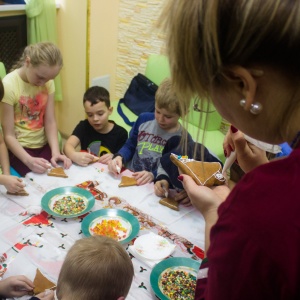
[167, 106]
[96, 104]
[95, 268]
[40, 63]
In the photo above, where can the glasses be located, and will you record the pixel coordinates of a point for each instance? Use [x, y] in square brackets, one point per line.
[197, 109]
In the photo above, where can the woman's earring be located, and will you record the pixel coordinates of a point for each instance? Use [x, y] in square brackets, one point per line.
[255, 108]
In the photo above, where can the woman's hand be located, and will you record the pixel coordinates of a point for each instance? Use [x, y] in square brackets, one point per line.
[205, 199]
[13, 184]
[248, 155]
[61, 157]
[161, 188]
[143, 177]
[16, 286]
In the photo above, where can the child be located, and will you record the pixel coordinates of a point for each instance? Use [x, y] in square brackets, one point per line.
[95, 268]
[167, 172]
[12, 184]
[96, 134]
[148, 136]
[28, 118]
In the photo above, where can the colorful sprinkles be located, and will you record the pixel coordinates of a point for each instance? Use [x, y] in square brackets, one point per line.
[178, 284]
[69, 205]
[110, 228]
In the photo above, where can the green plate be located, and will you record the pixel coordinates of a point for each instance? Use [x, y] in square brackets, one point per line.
[127, 220]
[173, 263]
[50, 197]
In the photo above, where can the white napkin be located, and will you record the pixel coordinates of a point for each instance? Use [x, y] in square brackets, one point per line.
[154, 244]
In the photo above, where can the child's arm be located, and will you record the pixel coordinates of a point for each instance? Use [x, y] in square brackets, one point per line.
[52, 134]
[80, 158]
[36, 164]
[4, 159]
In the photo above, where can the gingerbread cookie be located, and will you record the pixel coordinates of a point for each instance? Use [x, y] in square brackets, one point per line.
[203, 173]
[21, 193]
[95, 159]
[170, 202]
[42, 283]
[127, 181]
[57, 172]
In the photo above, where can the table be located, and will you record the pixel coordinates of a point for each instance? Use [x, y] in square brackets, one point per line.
[41, 241]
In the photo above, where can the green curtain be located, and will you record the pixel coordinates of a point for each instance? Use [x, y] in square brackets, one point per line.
[41, 27]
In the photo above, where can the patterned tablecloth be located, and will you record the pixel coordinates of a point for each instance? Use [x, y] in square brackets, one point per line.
[41, 241]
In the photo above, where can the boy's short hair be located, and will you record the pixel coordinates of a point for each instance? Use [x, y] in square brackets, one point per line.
[165, 97]
[95, 94]
[95, 268]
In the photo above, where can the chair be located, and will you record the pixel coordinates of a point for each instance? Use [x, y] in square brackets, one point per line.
[2, 70]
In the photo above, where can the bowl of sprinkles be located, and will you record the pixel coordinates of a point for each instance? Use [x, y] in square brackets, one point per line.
[68, 202]
[175, 278]
[114, 223]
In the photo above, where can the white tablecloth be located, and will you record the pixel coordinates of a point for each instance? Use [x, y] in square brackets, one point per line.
[42, 241]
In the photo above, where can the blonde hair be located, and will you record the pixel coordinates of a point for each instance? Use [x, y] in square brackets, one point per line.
[165, 97]
[96, 268]
[44, 53]
[205, 37]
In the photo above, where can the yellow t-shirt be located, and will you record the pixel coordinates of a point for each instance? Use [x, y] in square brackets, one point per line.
[29, 104]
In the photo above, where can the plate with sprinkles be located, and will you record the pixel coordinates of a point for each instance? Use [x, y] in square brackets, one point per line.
[175, 278]
[68, 202]
[115, 223]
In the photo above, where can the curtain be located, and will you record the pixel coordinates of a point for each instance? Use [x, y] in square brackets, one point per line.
[41, 27]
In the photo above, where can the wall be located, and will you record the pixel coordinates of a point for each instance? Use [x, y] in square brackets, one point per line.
[72, 24]
[72, 42]
[104, 40]
[138, 37]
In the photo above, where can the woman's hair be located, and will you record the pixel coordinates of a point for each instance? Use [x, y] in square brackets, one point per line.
[44, 53]
[205, 37]
[96, 94]
[95, 268]
[165, 97]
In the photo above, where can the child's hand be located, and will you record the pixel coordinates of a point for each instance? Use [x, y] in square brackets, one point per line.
[183, 198]
[38, 165]
[106, 158]
[161, 188]
[115, 165]
[16, 286]
[82, 158]
[143, 177]
[13, 184]
[47, 295]
[60, 157]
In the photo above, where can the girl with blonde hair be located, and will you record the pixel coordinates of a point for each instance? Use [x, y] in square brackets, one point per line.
[28, 117]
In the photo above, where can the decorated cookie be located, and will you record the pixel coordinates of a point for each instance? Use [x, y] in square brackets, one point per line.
[203, 173]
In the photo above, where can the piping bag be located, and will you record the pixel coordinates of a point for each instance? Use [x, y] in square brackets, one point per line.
[262, 145]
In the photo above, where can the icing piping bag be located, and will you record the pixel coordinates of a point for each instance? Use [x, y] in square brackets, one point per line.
[262, 145]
